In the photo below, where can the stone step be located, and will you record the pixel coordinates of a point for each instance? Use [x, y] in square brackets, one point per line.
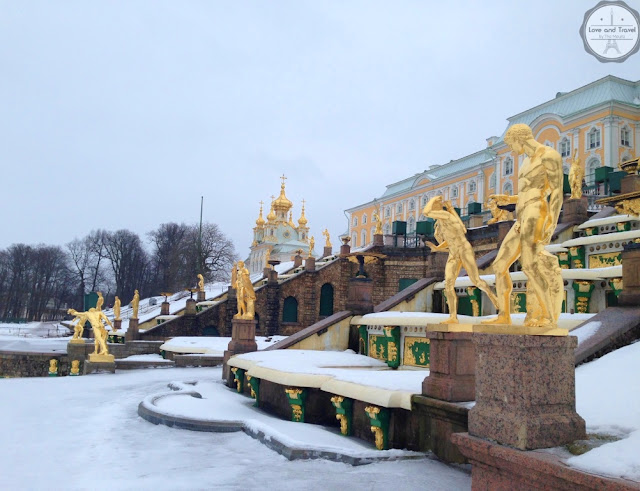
[197, 360]
[124, 364]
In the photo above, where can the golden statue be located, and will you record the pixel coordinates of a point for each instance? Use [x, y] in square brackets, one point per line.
[628, 207]
[53, 367]
[234, 275]
[312, 243]
[376, 218]
[497, 214]
[267, 258]
[538, 204]
[328, 237]
[95, 318]
[78, 328]
[116, 309]
[245, 294]
[576, 174]
[100, 301]
[75, 367]
[200, 283]
[135, 303]
[451, 235]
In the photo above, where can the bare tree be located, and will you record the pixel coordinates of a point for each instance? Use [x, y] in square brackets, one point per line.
[129, 262]
[215, 255]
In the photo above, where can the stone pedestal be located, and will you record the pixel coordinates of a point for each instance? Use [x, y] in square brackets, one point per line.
[630, 184]
[297, 261]
[201, 296]
[243, 340]
[630, 294]
[77, 350]
[99, 364]
[190, 308]
[327, 251]
[117, 324]
[164, 308]
[475, 221]
[310, 264]
[265, 272]
[378, 240]
[452, 367]
[525, 391]
[132, 333]
[345, 249]
[575, 210]
[359, 298]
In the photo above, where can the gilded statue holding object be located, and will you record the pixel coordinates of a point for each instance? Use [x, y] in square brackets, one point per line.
[135, 303]
[327, 237]
[538, 204]
[200, 283]
[576, 174]
[497, 214]
[95, 318]
[246, 296]
[376, 218]
[116, 309]
[451, 235]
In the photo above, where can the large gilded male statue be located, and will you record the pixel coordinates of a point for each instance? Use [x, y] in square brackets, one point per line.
[451, 235]
[538, 204]
[245, 294]
[576, 174]
[95, 318]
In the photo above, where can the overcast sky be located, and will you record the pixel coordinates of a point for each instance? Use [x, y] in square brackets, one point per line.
[121, 114]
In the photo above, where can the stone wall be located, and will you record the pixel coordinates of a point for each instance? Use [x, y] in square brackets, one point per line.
[25, 364]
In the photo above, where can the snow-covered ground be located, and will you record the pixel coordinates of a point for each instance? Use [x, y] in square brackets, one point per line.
[85, 433]
[211, 345]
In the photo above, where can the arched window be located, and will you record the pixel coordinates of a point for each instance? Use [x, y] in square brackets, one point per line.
[625, 136]
[364, 238]
[507, 166]
[424, 200]
[412, 205]
[565, 147]
[354, 240]
[472, 187]
[593, 138]
[364, 219]
[290, 310]
[326, 300]
[373, 231]
[454, 192]
[386, 229]
[412, 224]
[507, 188]
[387, 212]
[590, 170]
[492, 181]
[399, 208]
[355, 221]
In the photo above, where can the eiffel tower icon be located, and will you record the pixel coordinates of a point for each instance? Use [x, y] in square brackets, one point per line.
[611, 43]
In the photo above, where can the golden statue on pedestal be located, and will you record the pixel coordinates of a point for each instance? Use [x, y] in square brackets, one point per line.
[78, 328]
[327, 237]
[116, 309]
[312, 243]
[245, 294]
[576, 174]
[200, 283]
[100, 301]
[497, 214]
[135, 303]
[450, 233]
[376, 218]
[267, 258]
[538, 204]
[95, 318]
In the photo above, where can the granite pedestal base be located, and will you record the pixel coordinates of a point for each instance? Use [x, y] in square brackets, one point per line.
[165, 308]
[117, 324]
[243, 340]
[190, 307]
[525, 391]
[630, 294]
[575, 210]
[132, 333]
[359, 296]
[201, 297]
[99, 363]
[77, 350]
[451, 367]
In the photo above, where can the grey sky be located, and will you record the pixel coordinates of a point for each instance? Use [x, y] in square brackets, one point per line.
[121, 114]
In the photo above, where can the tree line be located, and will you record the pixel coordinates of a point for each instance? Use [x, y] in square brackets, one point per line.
[40, 282]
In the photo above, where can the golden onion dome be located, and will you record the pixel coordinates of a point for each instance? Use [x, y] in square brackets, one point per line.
[260, 221]
[272, 215]
[282, 203]
[302, 221]
[291, 224]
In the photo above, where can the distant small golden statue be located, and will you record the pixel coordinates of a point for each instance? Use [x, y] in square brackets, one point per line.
[200, 283]
[78, 328]
[576, 174]
[376, 218]
[497, 214]
[312, 243]
[267, 258]
[245, 295]
[53, 367]
[327, 237]
[135, 303]
[100, 301]
[116, 308]
[75, 367]
[451, 235]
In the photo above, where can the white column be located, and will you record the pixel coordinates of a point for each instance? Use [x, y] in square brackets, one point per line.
[636, 141]
[480, 187]
[611, 141]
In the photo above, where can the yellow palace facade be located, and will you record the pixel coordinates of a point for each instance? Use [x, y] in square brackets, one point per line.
[600, 120]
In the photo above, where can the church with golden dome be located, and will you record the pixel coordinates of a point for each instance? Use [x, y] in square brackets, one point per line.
[278, 237]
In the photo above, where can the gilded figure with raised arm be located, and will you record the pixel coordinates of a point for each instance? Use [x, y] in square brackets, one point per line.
[576, 174]
[376, 218]
[538, 204]
[497, 214]
[450, 232]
